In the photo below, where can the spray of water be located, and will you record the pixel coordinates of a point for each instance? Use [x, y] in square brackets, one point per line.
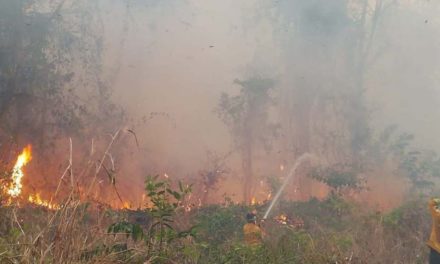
[298, 162]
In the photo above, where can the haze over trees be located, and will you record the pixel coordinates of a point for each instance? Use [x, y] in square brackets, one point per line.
[215, 101]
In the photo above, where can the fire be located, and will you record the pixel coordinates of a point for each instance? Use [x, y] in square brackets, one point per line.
[253, 201]
[295, 222]
[14, 189]
[36, 199]
[126, 205]
[282, 219]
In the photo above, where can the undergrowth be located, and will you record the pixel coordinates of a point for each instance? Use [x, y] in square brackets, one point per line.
[334, 231]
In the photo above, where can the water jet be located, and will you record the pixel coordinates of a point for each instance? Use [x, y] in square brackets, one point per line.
[298, 162]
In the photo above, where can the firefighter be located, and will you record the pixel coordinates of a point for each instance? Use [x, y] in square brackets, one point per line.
[434, 239]
[253, 234]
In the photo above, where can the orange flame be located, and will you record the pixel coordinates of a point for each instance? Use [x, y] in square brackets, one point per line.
[126, 205]
[253, 201]
[14, 189]
[282, 219]
[36, 199]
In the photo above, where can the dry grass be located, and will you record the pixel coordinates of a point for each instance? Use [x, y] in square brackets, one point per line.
[64, 235]
[76, 233]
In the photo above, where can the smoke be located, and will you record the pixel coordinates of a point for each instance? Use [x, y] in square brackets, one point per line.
[344, 71]
[174, 60]
[175, 63]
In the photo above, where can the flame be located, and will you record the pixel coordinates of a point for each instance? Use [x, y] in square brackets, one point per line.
[253, 201]
[126, 205]
[14, 189]
[36, 199]
[269, 196]
[282, 219]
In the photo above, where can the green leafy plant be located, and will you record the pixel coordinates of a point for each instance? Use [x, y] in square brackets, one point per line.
[338, 178]
[130, 230]
[165, 203]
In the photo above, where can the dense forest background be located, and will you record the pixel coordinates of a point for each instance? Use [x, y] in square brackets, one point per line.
[145, 131]
[226, 94]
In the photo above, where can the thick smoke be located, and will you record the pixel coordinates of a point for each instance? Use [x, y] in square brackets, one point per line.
[343, 71]
[175, 60]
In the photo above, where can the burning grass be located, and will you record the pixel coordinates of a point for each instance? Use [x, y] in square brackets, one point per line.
[14, 190]
[78, 229]
[16, 186]
[330, 231]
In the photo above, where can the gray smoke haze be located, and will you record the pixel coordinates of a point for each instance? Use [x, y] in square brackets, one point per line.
[174, 59]
[343, 71]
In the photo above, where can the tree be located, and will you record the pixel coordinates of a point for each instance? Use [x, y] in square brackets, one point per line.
[32, 102]
[340, 179]
[420, 167]
[328, 49]
[247, 117]
[215, 171]
[46, 58]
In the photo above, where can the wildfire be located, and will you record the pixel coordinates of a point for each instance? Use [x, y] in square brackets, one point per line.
[295, 222]
[36, 199]
[14, 189]
[253, 201]
[126, 205]
[282, 219]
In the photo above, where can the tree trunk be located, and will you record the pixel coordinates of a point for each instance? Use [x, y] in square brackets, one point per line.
[247, 170]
